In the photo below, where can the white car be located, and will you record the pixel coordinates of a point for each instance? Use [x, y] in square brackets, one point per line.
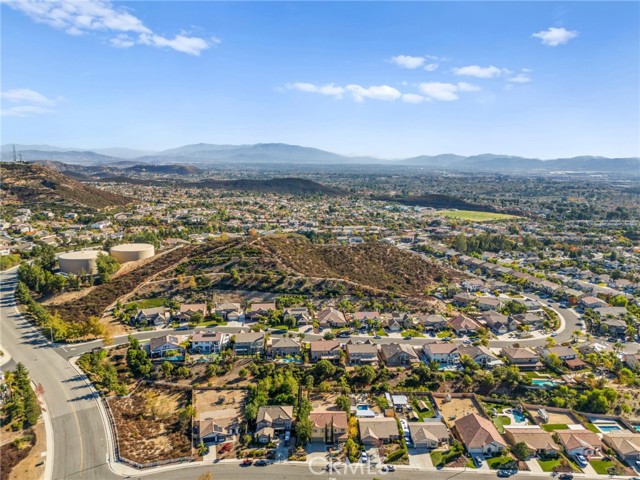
[364, 458]
[581, 460]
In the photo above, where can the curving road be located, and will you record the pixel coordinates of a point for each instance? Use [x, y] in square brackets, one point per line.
[81, 450]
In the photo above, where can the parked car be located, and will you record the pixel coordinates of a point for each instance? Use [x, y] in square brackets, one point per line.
[343, 335]
[261, 463]
[580, 460]
[364, 458]
[388, 468]
[504, 473]
[566, 476]
[377, 337]
[247, 462]
[554, 334]
[477, 461]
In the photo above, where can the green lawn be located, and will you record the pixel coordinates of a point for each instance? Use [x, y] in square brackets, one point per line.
[149, 302]
[592, 427]
[470, 464]
[500, 421]
[551, 427]
[497, 463]
[436, 457]
[549, 464]
[445, 333]
[601, 466]
[412, 333]
[475, 216]
[381, 332]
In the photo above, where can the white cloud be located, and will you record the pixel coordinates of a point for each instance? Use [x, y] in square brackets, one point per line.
[555, 36]
[468, 87]
[478, 71]
[25, 95]
[520, 78]
[376, 92]
[431, 67]
[329, 89]
[407, 61]
[414, 98]
[78, 17]
[24, 111]
[440, 91]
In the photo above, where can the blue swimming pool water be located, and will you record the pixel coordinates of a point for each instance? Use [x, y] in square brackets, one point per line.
[363, 407]
[637, 427]
[518, 416]
[542, 383]
[608, 428]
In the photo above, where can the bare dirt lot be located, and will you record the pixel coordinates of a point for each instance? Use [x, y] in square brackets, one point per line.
[323, 401]
[149, 427]
[457, 407]
[213, 400]
[555, 418]
[32, 467]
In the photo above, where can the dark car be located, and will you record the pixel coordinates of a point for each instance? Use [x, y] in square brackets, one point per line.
[566, 476]
[247, 462]
[261, 463]
[504, 473]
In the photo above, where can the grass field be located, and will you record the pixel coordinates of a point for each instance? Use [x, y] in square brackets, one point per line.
[476, 216]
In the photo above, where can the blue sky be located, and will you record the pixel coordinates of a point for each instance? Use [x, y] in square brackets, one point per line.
[541, 79]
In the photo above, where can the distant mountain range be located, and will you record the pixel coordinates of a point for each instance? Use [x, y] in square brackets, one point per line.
[204, 154]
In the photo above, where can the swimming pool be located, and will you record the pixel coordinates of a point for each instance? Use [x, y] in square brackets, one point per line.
[608, 427]
[362, 406]
[637, 427]
[542, 383]
[519, 416]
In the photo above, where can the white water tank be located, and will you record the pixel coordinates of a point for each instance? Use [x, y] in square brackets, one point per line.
[83, 261]
[131, 252]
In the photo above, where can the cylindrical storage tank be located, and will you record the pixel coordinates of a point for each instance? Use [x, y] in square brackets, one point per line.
[131, 252]
[83, 261]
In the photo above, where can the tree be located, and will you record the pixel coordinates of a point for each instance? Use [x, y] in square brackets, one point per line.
[167, 369]
[553, 361]
[521, 451]
[304, 429]
[344, 403]
[107, 266]
[324, 369]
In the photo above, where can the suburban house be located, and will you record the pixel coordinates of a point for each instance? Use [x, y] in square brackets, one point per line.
[250, 343]
[209, 342]
[326, 424]
[324, 350]
[378, 430]
[362, 354]
[584, 442]
[538, 441]
[429, 434]
[479, 435]
[396, 321]
[474, 285]
[160, 346]
[300, 314]
[489, 303]
[218, 425]
[188, 310]
[432, 322]
[231, 312]
[283, 347]
[444, 353]
[463, 325]
[632, 360]
[480, 354]
[531, 319]
[498, 323]
[365, 317]
[563, 352]
[398, 354]
[615, 327]
[260, 310]
[523, 358]
[626, 444]
[592, 302]
[331, 318]
[277, 417]
[152, 316]
[463, 299]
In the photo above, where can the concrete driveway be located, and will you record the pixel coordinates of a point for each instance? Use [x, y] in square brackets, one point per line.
[420, 458]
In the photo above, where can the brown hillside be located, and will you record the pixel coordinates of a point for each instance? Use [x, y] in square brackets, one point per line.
[31, 185]
[376, 265]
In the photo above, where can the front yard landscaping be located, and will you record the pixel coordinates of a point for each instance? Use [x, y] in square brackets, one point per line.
[501, 461]
[556, 464]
